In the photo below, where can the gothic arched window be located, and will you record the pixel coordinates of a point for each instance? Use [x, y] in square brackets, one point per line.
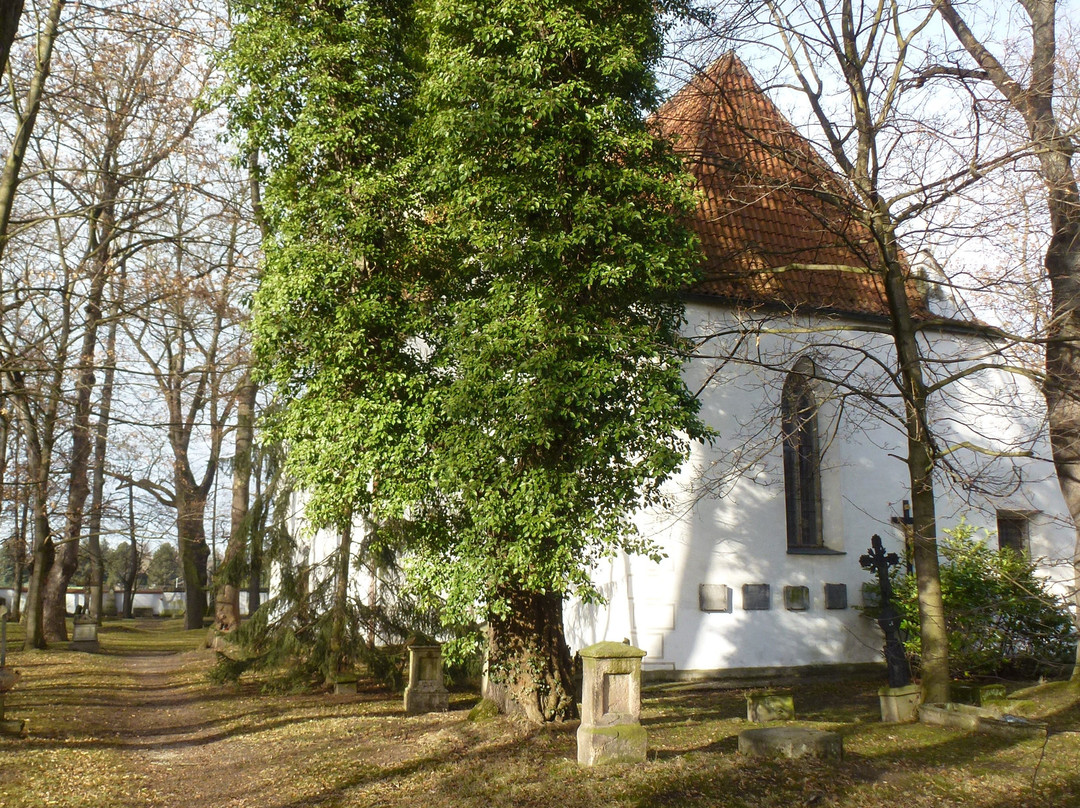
[802, 457]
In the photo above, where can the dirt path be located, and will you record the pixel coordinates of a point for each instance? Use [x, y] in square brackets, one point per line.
[155, 732]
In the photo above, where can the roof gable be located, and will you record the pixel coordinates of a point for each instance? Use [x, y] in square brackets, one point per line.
[768, 219]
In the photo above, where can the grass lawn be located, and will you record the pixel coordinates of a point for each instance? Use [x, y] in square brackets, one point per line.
[140, 724]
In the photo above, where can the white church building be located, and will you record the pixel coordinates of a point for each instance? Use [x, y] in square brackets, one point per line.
[764, 527]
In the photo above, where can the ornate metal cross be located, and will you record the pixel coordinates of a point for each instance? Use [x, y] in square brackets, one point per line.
[879, 562]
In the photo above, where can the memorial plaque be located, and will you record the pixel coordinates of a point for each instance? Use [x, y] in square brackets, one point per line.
[616, 693]
[714, 598]
[871, 596]
[796, 598]
[835, 596]
[756, 597]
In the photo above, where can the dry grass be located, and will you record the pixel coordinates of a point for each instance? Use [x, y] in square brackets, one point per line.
[140, 724]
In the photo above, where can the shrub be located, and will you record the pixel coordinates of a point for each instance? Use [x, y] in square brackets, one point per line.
[1001, 617]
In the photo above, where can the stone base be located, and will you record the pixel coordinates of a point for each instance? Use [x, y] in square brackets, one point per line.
[979, 719]
[770, 705]
[426, 701]
[88, 646]
[622, 743]
[791, 742]
[900, 705]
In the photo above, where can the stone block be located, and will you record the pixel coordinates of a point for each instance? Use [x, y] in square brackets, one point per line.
[900, 705]
[977, 695]
[791, 742]
[770, 705]
[756, 597]
[796, 598]
[714, 598]
[836, 596]
[426, 692]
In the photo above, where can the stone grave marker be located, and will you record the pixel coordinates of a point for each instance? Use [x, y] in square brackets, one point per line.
[426, 692]
[611, 730]
[84, 636]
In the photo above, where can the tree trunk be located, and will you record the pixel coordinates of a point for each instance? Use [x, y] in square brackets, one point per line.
[9, 179]
[934, 663]
[528, 657]
[338, 662]
[227, 605]
[10, 12]
[67, 561]
[194, 551]
[133, 560]
[256, 545]
[101, 445]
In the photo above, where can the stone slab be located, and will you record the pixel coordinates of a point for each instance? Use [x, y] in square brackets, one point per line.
[977, 695]
[969, 718]
[11, 727]
[791, 742]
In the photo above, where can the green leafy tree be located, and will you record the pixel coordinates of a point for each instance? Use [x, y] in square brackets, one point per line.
[164, 567]
[471, 294]
[1001, 618]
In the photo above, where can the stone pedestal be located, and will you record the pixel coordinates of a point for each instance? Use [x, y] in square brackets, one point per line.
[770, 705]
[84, 637]
[611, 730]
[426, 692]
[900, 705]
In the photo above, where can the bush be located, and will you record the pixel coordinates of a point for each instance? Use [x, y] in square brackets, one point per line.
[1000, 616]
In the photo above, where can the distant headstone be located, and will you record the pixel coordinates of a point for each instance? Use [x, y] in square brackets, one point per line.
[426, 692]
[714, 598]
[611, 730]
[756, 597]
[791, 742]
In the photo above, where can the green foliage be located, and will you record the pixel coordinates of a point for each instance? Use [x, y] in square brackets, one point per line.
[471, 295]
[1001, 617]
[164, 567]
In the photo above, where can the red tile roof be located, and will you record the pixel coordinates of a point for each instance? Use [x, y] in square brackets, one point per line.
[770, 231]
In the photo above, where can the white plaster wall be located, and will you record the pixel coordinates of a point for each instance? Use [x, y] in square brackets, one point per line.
[722, 528]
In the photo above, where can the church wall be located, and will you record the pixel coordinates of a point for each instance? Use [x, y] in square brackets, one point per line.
[726, 523]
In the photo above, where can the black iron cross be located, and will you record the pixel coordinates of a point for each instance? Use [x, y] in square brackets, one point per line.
[889, 619]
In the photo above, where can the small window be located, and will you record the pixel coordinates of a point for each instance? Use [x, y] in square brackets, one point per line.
[1013, 530]
[802, 458]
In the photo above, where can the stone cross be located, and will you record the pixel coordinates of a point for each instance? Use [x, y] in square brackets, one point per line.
[878, 561]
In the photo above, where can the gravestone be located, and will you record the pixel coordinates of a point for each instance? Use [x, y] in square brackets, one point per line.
[791, 742]
[714, 598]
[611, 730]
[84, 636]
[770, 705]
[836, 596]
[426, 692]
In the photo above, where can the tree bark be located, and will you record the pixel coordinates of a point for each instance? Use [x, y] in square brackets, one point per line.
[133, 560]
[194, 551]
[338, 662]
[1054, 149]
[528, 657]
[227, 605]
[9, 179]
[102, 227]
[10, 12]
